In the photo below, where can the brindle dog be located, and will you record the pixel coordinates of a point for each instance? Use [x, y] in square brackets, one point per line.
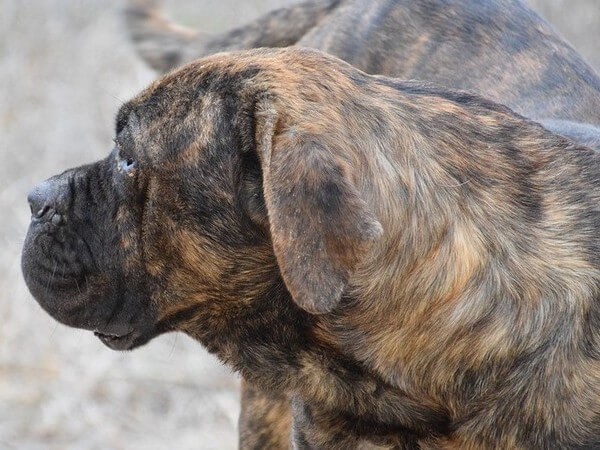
[500, 48]
[414, 266]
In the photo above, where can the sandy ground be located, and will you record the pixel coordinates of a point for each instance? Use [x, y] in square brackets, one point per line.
[65, 66]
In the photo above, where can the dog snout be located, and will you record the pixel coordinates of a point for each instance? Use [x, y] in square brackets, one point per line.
[46, 197]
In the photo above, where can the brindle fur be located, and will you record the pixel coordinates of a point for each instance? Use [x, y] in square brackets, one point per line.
[265, 419]
[448, 245]
[501, 49]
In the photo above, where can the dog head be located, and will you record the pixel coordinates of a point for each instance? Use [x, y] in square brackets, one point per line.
[227, 177]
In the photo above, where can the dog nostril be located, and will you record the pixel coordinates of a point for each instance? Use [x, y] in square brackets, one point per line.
[38, 203]
[41, 200]
[45, 198]
[56, 219]
[40, 212]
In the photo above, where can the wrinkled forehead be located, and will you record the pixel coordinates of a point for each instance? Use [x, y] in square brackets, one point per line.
[187, 108]
[167, 126]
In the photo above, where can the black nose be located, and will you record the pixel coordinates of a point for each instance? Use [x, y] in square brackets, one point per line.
[45, 198]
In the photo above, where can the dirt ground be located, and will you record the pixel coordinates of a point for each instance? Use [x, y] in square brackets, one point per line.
[65, 66]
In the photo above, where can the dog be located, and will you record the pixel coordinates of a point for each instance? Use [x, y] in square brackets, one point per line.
[501, 49]
[415, 267]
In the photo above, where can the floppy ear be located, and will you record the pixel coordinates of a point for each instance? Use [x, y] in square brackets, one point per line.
[320, 226]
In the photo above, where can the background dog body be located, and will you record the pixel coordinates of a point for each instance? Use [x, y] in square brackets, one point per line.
[582, 133]
[499, 48]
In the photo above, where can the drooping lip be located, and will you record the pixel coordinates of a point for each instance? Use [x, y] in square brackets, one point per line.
[76, 294]
[56, 278]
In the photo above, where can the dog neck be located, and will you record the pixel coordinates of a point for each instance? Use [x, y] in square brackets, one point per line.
[275, 344]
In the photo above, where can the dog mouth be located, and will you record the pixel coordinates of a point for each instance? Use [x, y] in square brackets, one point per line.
[126, 337]
[125, 341]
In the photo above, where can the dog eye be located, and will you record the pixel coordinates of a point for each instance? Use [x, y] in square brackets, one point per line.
[127, 166]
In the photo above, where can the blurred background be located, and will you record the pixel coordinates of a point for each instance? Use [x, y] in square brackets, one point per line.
[65, 67]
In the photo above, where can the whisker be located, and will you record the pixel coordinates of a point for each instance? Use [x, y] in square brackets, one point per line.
[51, 279]
[173, 346]
[454, 185]
[54, 330]
[111, 94]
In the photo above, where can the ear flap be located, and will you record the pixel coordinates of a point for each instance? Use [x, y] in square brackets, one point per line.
[320, 226]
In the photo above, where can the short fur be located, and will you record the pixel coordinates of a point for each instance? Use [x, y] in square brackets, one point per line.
[265, 419]
[501, 49]
[449, 246]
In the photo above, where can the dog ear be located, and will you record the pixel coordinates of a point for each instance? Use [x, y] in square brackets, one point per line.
[320, 226]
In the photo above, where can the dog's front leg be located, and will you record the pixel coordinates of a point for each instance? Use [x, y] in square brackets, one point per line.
[265, 419]
[309, 432]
